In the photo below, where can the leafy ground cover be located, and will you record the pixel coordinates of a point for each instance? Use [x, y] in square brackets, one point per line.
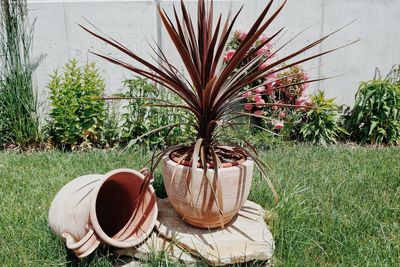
[339, 205]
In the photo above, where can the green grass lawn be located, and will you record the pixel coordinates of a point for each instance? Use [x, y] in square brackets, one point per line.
[339, 206]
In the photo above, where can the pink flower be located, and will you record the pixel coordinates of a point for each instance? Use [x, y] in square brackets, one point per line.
[276, 107]
[271, 76]
[260, 103]
[263, 66]
[278, 83]
[302, 100]
[241, 35]
[270, 90]
[263, 38]
[299, 101]
[257, 98]
[265, 50]
[304, 87]
[248, 107]
[259, 90]
[247, 94]
[228, 56]
[259, 112]
[282, 115]
[269, 84]
[279, 125]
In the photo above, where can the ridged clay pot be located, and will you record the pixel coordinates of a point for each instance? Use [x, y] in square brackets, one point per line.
[109, 209]
[199, 208]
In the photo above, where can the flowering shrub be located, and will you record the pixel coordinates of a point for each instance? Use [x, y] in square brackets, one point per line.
[281, 98]
[264, 53]
[276, 95]
[291, 86]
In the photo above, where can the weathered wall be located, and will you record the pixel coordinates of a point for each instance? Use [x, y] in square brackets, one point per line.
[377, 25]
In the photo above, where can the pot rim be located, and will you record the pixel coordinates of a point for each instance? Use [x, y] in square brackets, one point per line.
[210, 165]
[129, 242]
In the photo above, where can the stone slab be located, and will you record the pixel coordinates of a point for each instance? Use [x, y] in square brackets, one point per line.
[246, 238]
[154, 245]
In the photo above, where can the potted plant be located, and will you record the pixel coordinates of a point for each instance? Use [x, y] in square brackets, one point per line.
[208, 182]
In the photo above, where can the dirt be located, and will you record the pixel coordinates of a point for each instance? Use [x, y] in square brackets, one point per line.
[226, 154]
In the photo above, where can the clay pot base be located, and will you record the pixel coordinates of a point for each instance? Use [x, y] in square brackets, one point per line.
[209, 224]
[212, 221]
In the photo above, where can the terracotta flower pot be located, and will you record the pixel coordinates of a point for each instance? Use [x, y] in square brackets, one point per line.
[199, 208]
[109, 209]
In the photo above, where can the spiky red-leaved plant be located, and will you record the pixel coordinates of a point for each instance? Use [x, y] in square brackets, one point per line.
[213, 90]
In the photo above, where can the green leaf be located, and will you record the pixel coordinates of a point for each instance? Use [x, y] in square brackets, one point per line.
[374, 124]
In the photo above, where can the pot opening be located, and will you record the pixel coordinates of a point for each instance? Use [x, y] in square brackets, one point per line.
[116, 202]
[229, 156]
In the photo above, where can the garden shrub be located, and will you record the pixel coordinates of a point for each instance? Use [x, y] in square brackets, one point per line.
[78, 112]
[142, 115]
[111, 131]
[289, 88]
[283, 88]
[286, 91]
[320, 124]
[375, 118]
[282, 104]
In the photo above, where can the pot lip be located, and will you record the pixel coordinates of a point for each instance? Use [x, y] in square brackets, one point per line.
[95, 223]
[210, 165]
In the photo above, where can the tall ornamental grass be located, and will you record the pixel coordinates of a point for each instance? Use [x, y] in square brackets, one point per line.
[18, 97]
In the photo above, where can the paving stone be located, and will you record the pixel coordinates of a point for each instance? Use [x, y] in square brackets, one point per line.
[154, 245]
[246, 238]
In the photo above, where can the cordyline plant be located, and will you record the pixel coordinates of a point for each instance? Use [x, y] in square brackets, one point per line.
[213, 90]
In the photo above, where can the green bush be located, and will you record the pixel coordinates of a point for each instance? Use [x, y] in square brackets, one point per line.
[320, 124]
[142, 115]
[111, 131]
[375, 118]
[78, 112]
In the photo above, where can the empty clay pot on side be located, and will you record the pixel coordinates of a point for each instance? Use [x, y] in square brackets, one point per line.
[199, 208]
[94, 209]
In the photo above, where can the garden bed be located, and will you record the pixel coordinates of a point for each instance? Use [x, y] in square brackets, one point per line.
[338, 205]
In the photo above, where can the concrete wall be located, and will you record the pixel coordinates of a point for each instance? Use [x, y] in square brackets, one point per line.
[377, 25]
